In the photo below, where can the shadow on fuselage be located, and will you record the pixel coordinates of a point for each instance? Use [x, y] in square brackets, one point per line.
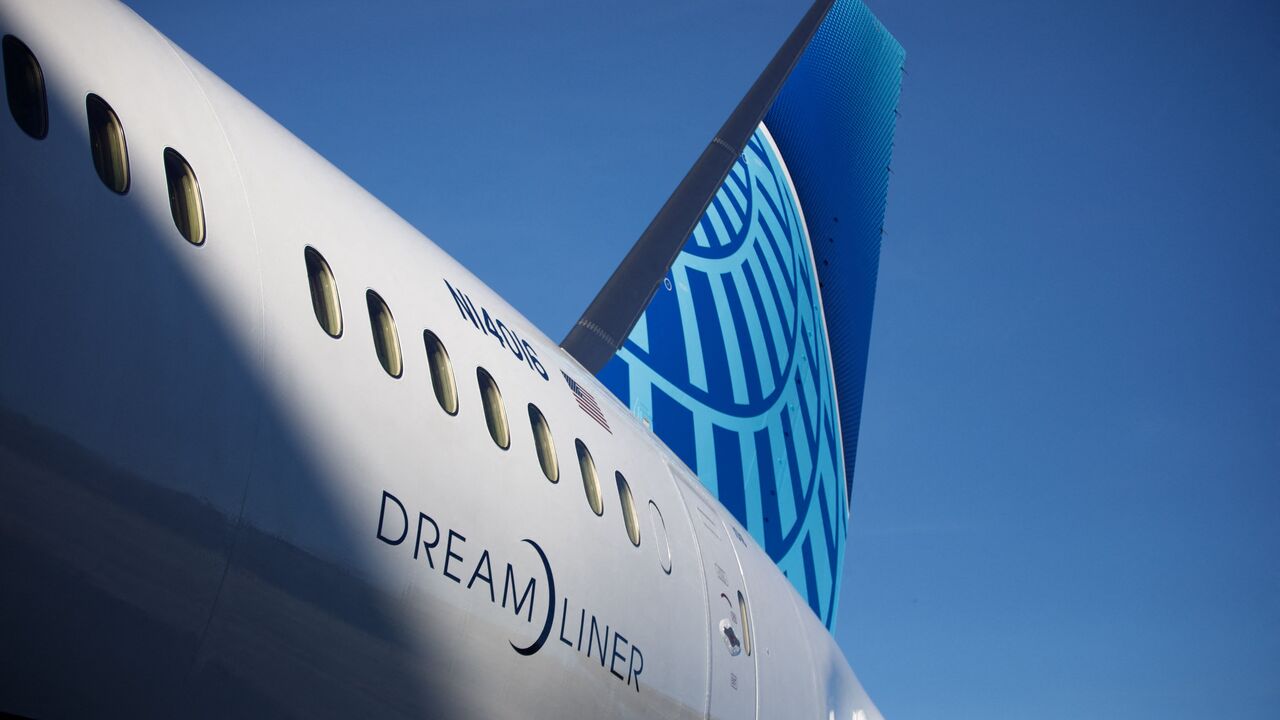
[136, 434]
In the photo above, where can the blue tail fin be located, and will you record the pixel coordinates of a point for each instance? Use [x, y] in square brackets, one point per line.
[747, 352]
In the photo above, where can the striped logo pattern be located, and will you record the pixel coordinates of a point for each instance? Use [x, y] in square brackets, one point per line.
[730, 363]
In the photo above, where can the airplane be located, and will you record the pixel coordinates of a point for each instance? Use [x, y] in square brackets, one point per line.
[267, 451]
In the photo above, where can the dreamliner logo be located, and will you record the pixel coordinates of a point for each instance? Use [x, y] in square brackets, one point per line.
[447, 552]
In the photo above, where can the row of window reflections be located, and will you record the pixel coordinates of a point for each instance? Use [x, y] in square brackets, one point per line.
[386, 343]
[29, 105]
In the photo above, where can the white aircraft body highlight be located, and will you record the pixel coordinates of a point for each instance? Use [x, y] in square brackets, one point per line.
[211, 505]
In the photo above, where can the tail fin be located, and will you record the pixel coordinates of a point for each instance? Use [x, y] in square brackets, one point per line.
[746, 305]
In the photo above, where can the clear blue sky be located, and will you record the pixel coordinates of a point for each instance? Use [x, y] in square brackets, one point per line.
[1067, 502]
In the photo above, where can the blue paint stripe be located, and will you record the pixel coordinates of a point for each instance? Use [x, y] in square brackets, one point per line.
[674, 423]
[741, 328]
[833, 554]
[777, 214]
[793, 463]
[810, 582]
[731, 335]
[694, 367]
[708, 232]
[667, 351]
[772, 529]
[783, 268]
[741, 177]
[736, 200]
[616, 375]
[720, 228]
[807, 423]
[750, 482]
[783, 317]
[640, 334]
[729, 471]
[714, 356]
[771, 349]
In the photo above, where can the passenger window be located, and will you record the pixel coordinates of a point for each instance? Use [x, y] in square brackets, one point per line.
[385, 340]
[660, 537]
[745, 613]
[184, 197]
[542, 441]
[495, 415]
[628, 510]
[441, 373]
[106, 140]
[24, 84]
[590, 481]
[324, 293]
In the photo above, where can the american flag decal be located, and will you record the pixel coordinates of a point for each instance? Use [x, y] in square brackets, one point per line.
[587, 402]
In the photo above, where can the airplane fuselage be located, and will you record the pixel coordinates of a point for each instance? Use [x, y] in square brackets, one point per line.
[210, 505]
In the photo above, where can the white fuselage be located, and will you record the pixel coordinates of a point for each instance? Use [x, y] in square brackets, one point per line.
[210, 507]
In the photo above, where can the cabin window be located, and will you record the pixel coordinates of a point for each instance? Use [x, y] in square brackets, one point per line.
[184, 197]
[385, 340]
[106, 140]
[495, 415]
[324, 293]
[745, 613]
[24, 84]
[628, 510]
[441, 373]
[660, 537]
[542, 442]
[590, 481]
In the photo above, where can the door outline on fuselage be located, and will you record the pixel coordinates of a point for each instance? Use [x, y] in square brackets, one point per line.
[711, 537]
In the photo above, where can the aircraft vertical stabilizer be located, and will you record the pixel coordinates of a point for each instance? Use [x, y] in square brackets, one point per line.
[738, 324]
